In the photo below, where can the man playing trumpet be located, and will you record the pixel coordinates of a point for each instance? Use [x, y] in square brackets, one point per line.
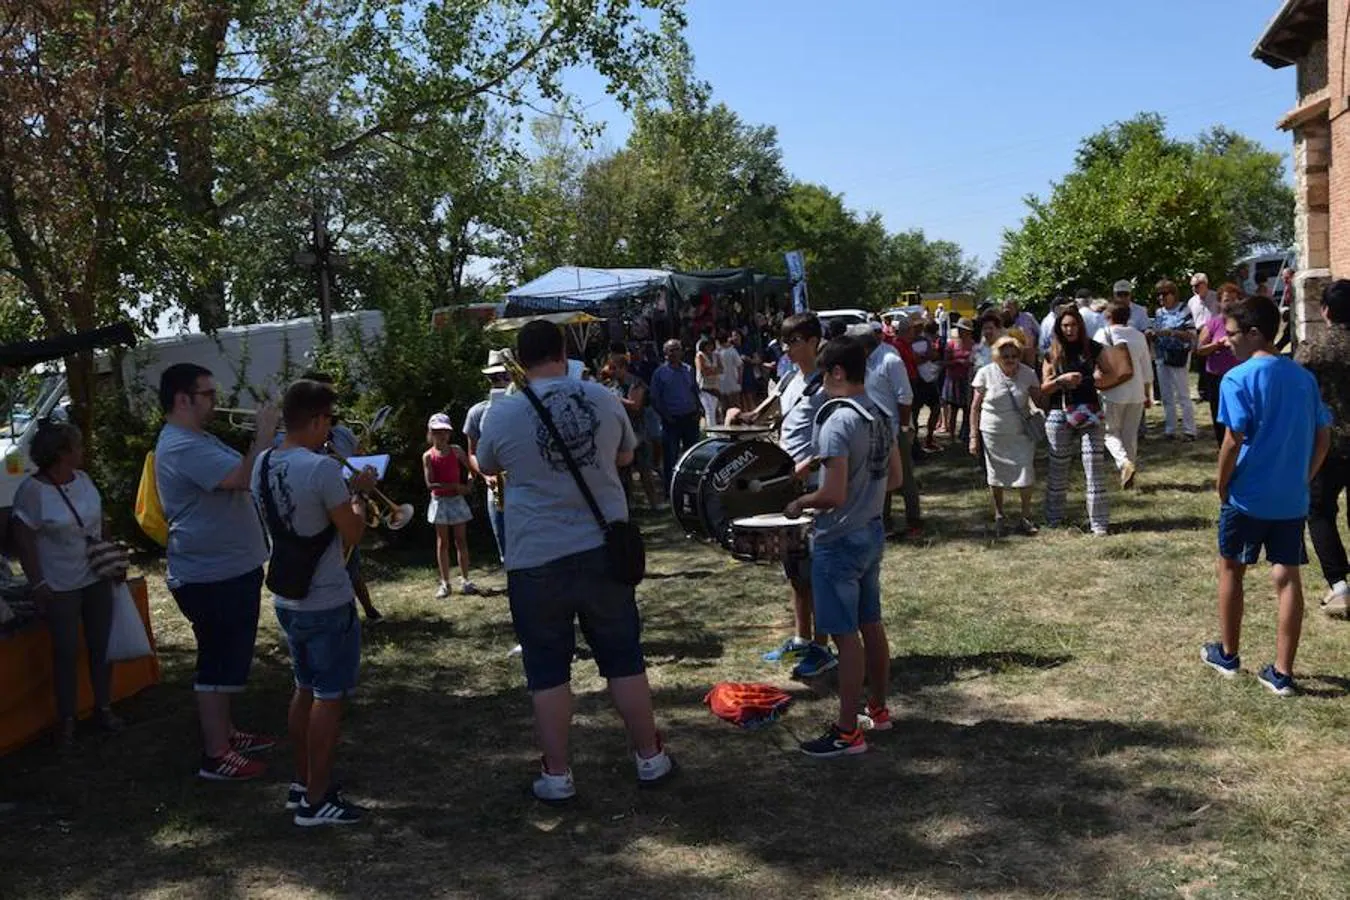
[312, 513]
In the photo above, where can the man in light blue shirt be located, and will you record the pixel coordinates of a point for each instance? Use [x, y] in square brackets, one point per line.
[215, 554]
[558, 567]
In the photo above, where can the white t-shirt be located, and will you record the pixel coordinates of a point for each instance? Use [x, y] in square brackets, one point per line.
[1005, 404]
[732, 364]
[61, 546]
[930, 369]
[1134, 390]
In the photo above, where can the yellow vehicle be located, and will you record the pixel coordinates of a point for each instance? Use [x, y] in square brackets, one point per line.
[962, 302]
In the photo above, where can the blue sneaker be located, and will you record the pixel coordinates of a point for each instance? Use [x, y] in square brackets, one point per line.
[792, 648]
[1278, 684]
[817, 660]
[1213, 656]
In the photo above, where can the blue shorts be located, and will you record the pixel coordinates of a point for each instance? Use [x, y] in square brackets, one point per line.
[224, 617]
[547, 602]
[325, 649]
[1241, 538]
[846, 580]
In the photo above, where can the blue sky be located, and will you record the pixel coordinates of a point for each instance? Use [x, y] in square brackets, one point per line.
[942, 116]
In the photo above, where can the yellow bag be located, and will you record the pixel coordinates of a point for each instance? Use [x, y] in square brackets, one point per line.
[149, 511]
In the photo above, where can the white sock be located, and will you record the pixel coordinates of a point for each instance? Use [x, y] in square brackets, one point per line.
[1341, 588]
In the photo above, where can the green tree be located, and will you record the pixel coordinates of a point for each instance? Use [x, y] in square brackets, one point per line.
[1142, 205]
[132, 133]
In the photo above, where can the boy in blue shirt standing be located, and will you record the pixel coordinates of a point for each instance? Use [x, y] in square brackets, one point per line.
[1278, 435]
[854, 441]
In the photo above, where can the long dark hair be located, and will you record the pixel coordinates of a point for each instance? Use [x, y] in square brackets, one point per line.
[1063, 350]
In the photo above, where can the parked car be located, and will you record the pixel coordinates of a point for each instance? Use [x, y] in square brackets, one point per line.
[847, 316]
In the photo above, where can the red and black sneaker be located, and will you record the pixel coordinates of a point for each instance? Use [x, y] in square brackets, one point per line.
[835, 743]
[245, 742]
[876, 719]
[230, 767]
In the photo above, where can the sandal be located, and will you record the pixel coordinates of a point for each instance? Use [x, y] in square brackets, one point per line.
[1027, 527]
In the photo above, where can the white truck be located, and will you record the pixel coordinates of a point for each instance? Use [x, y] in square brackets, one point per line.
[250, 363]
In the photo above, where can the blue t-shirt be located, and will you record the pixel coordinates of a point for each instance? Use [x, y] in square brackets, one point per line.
[1273, 402]
[214, 534]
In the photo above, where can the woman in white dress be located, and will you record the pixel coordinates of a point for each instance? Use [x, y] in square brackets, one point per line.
[708, 368]
[1000, 411]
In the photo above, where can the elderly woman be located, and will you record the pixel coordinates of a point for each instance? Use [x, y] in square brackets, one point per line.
[57, 511]
[1000, 413]
[1173, 337]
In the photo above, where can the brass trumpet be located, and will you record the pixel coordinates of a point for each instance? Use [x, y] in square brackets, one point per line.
[382, 510]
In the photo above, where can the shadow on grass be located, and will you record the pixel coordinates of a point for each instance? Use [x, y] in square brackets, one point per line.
[1335, 687]
[1147, 488]
[920, 670]
[1161, 523]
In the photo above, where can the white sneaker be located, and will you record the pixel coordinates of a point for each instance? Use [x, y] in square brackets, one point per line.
[554, 788]
[515, 651]
[1337, 600]
[443, 591]
[654, 770]
[467, 587]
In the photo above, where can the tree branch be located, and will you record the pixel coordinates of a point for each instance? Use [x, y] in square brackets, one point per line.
[403, 120]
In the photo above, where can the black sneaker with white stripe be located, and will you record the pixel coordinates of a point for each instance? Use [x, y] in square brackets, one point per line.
[333, 810]
[295, 794]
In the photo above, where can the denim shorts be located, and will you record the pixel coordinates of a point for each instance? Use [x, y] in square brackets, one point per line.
[846, 580]
[325, 649]
[1241, 538]
[546, 603]
[224, 617]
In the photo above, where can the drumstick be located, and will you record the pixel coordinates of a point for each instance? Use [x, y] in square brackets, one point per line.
[755, 485]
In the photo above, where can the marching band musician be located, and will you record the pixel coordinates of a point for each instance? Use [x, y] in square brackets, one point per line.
[558, 568]
[800, 397]
[216, 552]
[498, 381]
[312, 514]
[344, 441]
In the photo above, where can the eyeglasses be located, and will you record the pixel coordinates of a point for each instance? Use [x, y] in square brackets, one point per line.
[211, 392]
[795, 339]
[1009, 354]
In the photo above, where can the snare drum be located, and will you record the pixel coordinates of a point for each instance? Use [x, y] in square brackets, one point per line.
[772, 537]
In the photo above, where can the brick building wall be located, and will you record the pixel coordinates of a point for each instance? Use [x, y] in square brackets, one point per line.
[1338, 125]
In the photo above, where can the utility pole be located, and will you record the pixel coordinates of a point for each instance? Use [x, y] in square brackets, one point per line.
[321, 258]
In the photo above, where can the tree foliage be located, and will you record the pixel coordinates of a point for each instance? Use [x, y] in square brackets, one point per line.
[133, 134]
[1141, 205]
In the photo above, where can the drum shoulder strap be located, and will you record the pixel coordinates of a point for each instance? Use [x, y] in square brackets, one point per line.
[833, 405]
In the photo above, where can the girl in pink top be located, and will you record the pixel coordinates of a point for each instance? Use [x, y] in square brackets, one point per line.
[442, 466]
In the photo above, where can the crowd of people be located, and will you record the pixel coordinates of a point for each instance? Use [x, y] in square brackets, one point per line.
[559, 454]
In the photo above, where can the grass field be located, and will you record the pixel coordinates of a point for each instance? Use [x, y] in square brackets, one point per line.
[1056, 736]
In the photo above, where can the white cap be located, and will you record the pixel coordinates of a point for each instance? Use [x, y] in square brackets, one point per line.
[439, 422]
[1199, 278]
[1122, 287]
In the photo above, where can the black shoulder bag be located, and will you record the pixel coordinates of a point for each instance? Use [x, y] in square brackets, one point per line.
[623, 539]
[294, 557]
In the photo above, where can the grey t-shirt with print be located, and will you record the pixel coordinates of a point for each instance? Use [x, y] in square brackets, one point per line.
[549, 518]
[305, 486]
[841, 431]
[214, 534]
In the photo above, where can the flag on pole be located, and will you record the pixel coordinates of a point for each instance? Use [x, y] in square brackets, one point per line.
[796, 266]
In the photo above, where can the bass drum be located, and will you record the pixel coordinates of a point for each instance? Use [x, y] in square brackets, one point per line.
[721, 479]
